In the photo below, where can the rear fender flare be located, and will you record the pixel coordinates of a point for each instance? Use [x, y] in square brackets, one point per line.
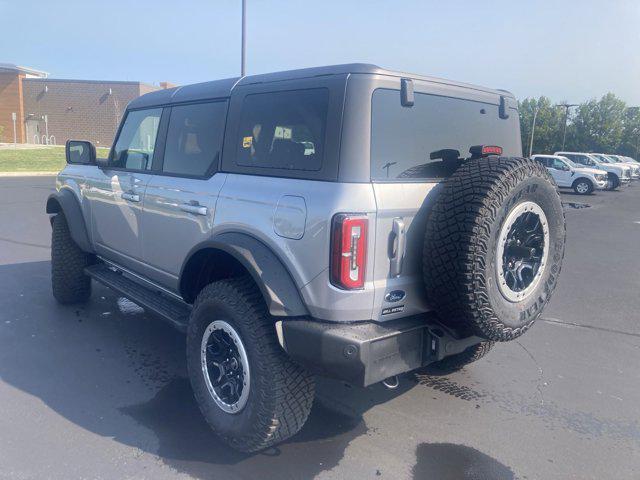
[273, 279]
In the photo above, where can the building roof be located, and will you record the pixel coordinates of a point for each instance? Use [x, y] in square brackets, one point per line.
[223, 88]
[100, 82]
[10, 67]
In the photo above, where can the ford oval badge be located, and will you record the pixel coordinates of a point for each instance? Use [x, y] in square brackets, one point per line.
[394, 296]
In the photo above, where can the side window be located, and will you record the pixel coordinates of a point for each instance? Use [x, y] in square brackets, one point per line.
[194, 139]
[137, 140]
[558, 164]
[283, 130]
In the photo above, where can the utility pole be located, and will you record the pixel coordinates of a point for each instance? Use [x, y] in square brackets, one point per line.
[244, 38]
[533, 129]
[566, 106]
[13, 118]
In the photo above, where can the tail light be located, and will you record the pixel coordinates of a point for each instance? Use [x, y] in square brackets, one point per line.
[348, 250]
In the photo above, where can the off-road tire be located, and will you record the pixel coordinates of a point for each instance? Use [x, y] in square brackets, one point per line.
[280, 391]
[581, 181]
[459, 258]
[458, 361]
[68, 281]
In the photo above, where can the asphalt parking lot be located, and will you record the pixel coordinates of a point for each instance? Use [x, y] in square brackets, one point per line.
[100, 391]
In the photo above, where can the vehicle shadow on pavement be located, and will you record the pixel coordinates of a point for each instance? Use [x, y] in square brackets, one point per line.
[111, 369]
[447, 461]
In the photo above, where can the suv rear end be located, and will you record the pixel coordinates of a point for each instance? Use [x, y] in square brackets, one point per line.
[392, 151]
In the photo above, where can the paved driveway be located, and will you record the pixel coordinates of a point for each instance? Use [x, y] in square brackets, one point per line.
[99, 391]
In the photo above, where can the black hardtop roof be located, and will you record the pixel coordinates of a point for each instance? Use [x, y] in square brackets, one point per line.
[223, 88]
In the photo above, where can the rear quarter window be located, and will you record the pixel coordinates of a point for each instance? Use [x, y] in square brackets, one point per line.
[403, 138]
[283, 130]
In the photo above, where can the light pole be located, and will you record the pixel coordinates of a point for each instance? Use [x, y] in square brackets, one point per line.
[637, 131]
[566, 106]
[244, 38]
[533, 129]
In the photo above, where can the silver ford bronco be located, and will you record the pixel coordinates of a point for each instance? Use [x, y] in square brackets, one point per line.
[346, 221]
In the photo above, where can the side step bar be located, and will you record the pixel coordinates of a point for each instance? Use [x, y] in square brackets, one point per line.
[173, 311]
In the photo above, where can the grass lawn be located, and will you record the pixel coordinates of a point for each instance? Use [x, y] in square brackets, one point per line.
[50, 159]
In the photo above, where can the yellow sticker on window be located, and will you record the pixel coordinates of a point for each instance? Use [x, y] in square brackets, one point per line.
[246, 142]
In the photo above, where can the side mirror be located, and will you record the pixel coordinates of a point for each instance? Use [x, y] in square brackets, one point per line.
[80, 152]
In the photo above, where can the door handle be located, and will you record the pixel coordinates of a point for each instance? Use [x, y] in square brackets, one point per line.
[194, 208]
[397, 253]
[130, 197]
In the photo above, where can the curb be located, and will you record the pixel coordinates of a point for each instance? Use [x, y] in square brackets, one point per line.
[28, 174]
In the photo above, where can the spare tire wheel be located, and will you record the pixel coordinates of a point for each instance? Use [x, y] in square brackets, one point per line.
[494, 246]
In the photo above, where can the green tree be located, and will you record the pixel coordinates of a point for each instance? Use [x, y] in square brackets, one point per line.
[549, 124]
[598, 126]
[630, 143]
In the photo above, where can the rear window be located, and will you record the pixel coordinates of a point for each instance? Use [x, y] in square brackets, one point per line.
[194, 139]
[403, 138]
[283, 130]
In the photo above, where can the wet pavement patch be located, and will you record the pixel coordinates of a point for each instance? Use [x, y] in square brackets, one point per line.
[575, 205]
[549, 412]
[187, 444]
[448, 461]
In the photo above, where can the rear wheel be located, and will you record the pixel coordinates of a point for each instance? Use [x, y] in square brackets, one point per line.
[583, 186]
[494, 246]
[68, 281]
[249, 391]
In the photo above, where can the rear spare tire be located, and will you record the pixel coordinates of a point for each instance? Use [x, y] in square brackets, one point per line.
[494, 246]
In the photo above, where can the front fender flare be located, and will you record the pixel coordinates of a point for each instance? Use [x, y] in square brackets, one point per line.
[274, 280]
[66, 202]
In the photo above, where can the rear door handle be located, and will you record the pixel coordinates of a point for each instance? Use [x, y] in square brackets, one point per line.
[398, 246]
[130, 197]
[194, 208]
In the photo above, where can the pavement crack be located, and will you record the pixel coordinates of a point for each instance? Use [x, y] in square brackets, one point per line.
[37, 245]
[590, 327]
[540, 371]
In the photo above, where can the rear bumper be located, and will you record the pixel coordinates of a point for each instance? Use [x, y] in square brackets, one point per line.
[365, 353]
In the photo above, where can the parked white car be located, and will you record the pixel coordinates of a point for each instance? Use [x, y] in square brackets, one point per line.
[567, 174]
[629, 159]
[618, 174]
[635, 168]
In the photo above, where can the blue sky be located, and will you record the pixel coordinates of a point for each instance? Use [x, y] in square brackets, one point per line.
[566, 49]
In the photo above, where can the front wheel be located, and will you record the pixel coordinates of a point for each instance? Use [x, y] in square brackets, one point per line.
[582, 186]
[249, 391]
[68, 281]
[614, 182]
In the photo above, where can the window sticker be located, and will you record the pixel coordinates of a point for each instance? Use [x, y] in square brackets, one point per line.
[246, 142]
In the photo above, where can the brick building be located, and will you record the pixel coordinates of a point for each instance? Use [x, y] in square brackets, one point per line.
[54, 110]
